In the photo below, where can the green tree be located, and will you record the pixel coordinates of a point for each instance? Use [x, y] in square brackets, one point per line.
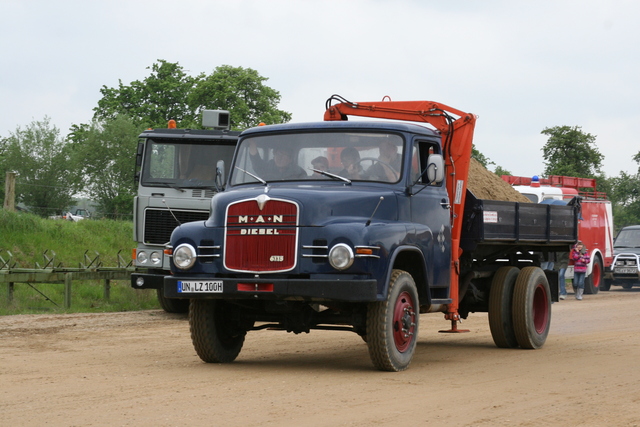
[624, 193]
[169, 93]
[481, 158]
[241, 91]
[501, 171]
[104, 153]
[41, 157]
[571, 152]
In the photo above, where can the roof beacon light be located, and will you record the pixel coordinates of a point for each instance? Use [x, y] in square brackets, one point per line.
[535, 181]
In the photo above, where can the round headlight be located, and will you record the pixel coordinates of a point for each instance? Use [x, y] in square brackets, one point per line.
[341, 256]
[142, 257]
[184, 256]
[156, 258]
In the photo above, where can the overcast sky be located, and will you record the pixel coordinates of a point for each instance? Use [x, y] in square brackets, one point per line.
[521, 66]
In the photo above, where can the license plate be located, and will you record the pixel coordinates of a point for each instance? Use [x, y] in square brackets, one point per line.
[627, 270]
[202, 287]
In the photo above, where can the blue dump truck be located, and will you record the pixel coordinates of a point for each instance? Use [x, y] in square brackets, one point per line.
[362, 226]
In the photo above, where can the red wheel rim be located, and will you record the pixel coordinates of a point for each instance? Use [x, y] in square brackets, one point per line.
[404, 321]
[540, 309]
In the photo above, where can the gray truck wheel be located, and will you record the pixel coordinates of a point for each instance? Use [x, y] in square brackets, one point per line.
[214, 337]
[593, 282]
[172, 305]
[531, 308]
[392, 324]
[500, 307]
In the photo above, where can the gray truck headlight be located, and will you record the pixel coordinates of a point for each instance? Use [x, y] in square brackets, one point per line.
[184, 256]
[156, 258]
[341, 256]
[142, 257]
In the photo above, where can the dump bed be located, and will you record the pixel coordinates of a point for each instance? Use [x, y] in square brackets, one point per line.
[522, 224]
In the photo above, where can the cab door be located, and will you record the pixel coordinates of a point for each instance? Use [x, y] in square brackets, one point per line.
[430, 212]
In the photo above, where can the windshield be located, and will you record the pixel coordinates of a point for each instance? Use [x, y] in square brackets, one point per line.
[341, 156]
[628, 239]
[180, 164]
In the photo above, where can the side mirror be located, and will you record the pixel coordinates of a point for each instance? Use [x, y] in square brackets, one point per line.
[435, 168]
[139, 154]
[220, 176]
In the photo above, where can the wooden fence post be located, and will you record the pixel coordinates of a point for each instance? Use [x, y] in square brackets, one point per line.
[67, 290]
[10, 191]
[10, 289]
[107, 289]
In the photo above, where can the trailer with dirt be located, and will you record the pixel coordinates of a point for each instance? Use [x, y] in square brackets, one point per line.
[378, 228]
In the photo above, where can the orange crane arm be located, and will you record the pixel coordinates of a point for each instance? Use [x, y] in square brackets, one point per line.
[457, 143]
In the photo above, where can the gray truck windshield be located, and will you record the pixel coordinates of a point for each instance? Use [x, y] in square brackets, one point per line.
[342, 156]
[179, 164]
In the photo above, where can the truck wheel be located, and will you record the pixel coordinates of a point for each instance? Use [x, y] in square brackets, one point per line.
[531, 308]
[500, 307]
[172, 305]
[392, 324]
[595, 279]
[606, 285]
[214, 337]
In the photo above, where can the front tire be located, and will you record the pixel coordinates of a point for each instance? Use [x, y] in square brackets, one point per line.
[213, 334]
[501, 307]
[531, 308]
[392, 324]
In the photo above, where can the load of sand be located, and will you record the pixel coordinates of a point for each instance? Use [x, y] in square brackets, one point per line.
[485, 184]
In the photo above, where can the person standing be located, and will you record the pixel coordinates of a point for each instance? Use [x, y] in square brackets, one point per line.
[562, 262]
[580, 259]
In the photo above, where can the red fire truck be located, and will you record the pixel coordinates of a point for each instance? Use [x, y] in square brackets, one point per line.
[596, 223]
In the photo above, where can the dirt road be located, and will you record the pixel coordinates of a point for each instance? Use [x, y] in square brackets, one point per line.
[139, 369]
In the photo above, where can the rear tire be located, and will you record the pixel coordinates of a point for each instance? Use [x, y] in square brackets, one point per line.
[172, 305]
[595, 279]
[392, 324]
[500, 307]
[531, 308]
[213, 334]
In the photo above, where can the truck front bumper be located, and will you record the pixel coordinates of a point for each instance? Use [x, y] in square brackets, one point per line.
[626, 267]
[147, 281]
[365, 290]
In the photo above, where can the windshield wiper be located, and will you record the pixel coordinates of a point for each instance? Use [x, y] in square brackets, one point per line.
[252, 175]
[331, 175]
[165, 184]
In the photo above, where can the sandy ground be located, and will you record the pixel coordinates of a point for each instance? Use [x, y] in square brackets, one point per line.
[139, 369]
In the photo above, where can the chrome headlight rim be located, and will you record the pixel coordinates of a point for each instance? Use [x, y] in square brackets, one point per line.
[341, 256]
[184, 256]
[156, 258]
[142, 257]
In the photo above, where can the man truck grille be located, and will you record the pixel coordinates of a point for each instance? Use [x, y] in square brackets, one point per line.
[261, 235]
[159, 223]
